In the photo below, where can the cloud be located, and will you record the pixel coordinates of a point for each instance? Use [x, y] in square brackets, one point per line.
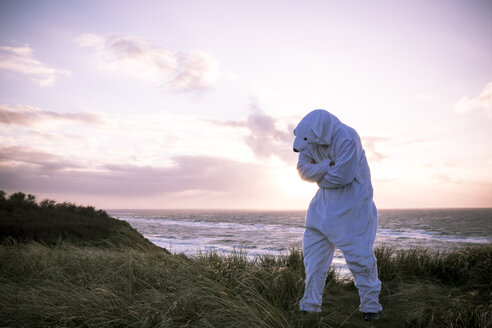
[45, 163]
[370, 147]
[267, 139]
[28, 169]
[174, 70]
[20, 60]
[267, 136]
[483, 103]
[29, 116]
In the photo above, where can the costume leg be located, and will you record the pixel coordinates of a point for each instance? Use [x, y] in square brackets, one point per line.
[362, 263]
[318, 254]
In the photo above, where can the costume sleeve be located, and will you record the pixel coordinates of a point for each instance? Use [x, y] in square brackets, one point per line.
[309, 170]
[345, 168]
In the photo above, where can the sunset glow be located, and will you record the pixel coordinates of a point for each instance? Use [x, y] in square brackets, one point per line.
[191, 104]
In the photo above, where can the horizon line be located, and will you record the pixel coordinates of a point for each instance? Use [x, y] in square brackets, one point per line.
[287, 210]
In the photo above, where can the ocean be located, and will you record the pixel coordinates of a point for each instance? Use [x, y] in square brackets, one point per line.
[276, 232]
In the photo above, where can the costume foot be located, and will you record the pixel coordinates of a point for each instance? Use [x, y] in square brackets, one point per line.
[370, 316]
[309, 312]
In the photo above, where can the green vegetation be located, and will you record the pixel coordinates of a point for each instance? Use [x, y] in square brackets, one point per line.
[78, 283]
[22, 219]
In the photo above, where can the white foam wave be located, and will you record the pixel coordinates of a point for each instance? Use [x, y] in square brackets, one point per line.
[193, 235]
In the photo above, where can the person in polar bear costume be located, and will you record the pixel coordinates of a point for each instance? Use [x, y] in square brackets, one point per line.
[342, 214]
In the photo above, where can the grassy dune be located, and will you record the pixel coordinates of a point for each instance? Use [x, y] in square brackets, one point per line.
[22, 219]
[120, 284]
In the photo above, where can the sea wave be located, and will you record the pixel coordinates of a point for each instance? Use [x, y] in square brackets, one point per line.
[274, 233]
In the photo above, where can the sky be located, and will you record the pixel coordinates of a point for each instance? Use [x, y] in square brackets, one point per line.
[192, 104]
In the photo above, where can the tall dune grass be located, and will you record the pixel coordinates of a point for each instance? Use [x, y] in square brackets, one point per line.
[66, 285]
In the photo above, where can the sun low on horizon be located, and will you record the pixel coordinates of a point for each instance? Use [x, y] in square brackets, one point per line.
[192, 104]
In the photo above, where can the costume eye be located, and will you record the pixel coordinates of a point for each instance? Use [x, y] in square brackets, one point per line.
[305, 138]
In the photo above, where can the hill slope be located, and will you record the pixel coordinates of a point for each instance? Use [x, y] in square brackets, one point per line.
[22, 219]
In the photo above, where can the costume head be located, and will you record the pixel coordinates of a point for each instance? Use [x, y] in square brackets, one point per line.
[316, 127]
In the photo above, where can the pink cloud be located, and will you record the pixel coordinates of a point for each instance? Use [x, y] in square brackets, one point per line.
[483, 103]
[29, 116]
[266, 138]
[174, 70]
[21, 60]
[24, 168]
[370, 147]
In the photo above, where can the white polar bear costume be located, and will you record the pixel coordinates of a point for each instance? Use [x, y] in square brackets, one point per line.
[342, 214]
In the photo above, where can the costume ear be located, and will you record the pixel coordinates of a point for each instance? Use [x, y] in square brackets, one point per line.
[317, 129]
[322, 126]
